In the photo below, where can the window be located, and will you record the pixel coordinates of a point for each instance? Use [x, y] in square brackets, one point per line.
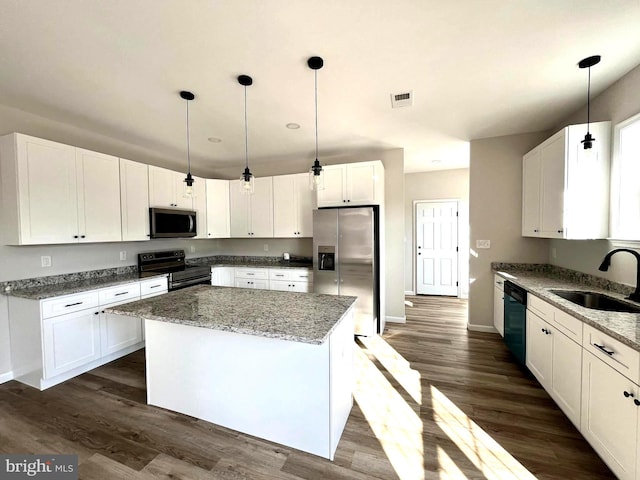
[625, 198]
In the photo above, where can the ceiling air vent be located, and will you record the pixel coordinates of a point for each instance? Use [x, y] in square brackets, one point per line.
[404, 99]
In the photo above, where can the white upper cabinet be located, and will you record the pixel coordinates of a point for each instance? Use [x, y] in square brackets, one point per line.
[134, 200]
[352, 184]
[56, 193]
[293, 203]
[166, 189]
[218, 209]
[252, 215]
[98, 182]
[200, 206]
[565, 189]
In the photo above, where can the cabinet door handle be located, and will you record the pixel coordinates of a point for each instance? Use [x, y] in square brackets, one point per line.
[602, 347]
[560, 231]
[637, 402]
[96, 313]
[73, 304]
[627, 394]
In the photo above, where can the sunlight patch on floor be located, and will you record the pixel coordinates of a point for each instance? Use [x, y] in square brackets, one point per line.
[397, 427]
[396, 365]
[483, 451]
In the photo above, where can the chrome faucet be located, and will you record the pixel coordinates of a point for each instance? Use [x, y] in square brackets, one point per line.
[606, 263]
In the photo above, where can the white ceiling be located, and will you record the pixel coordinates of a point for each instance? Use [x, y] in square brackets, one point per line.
[477, 69]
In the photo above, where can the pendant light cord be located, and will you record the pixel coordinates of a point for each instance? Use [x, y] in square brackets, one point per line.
[589, 99]
[315, 72]
[246, 131]
[188, 142]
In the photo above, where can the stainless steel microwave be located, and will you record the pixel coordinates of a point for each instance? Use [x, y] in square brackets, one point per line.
[172, 223]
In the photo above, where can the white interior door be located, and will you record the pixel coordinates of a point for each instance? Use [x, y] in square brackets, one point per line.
[437, 248]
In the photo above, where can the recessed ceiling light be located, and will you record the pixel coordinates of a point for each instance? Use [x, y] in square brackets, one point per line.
[214, 139]
[293, 126]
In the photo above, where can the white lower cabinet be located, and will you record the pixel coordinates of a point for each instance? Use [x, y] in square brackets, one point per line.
[594, 379]
[59, 338]
[223, 276]
[556, 361]
[282, 279]
[610, 415]
[70, 341]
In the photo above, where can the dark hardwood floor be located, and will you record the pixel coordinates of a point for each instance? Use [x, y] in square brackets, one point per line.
[433, 401]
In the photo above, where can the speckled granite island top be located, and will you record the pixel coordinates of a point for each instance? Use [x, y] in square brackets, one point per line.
[622, 326]
[299, 317]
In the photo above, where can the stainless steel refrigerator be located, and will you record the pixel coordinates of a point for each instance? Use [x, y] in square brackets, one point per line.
[346, 252]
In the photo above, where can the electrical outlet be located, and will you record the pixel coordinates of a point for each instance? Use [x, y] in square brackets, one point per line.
[192, 249]
[45, 260]
[483, 243]
[554, 253]
[123, 256]
[266, 247]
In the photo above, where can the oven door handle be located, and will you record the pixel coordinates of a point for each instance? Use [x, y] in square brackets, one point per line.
[191, 281]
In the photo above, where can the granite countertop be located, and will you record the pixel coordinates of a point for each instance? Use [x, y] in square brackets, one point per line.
[622, 326]
[42, 292]
[254, 264]
[299, 317]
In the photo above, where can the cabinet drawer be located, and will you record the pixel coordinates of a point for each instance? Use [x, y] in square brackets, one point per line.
[541, 308]
[153, 286]
[262, 273]
[70, 303]
[621, 357]
[570, 326]
[302, 275]
[129, 291]
[279, 274]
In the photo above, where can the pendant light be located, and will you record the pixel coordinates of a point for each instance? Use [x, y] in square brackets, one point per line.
[188, 181]
[315, 178]
[247, 178]
[588, 63]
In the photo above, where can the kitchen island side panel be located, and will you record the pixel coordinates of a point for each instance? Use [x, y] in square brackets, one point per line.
[274, 389]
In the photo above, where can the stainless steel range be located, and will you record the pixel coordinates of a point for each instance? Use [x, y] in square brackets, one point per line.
[172, 262]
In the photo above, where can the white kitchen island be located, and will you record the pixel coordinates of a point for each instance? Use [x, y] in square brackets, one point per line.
[276, 365]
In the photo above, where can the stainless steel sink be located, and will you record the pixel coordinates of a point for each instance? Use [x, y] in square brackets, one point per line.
[597, 301]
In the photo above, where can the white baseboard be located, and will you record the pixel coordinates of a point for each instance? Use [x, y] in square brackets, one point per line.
[409, 292]
[5, 377]
[391, 319]
[481, 328]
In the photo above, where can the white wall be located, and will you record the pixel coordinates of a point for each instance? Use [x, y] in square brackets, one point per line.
[438, 185]
[617, 103]
[495, 214]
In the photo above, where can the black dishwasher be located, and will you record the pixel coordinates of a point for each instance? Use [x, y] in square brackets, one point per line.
[515, 324]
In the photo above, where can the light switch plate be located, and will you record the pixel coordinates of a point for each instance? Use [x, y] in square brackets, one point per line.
[483, 243]
[45, 260]
[123, 255]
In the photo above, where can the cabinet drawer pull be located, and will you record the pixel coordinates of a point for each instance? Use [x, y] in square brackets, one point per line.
[155, 286]
[637, 402]
[121, 293]
[73, 304]
[279, 275]
[602, 347]
[627, 394]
